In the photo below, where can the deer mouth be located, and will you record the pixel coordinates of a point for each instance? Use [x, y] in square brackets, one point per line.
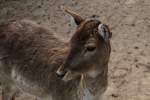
[66, 75]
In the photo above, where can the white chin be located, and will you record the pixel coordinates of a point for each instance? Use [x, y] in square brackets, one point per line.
[93, 73]
[68, 76]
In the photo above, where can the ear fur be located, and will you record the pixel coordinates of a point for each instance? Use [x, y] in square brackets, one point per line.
[77, 18]
[104, 31]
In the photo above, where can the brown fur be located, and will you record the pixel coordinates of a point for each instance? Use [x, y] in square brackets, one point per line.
[24, 45]
[30, 56]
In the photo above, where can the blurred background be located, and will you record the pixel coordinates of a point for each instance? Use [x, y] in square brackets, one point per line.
[129, 67]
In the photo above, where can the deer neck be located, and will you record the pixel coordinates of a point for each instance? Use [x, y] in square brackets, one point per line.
[94, 82]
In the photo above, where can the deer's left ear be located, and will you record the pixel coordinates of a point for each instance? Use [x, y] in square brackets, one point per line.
[77, 18]
[104, 32]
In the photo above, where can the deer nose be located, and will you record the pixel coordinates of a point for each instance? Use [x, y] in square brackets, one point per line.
[60, 73]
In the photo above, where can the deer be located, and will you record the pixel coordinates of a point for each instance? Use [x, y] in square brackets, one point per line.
[35, 61]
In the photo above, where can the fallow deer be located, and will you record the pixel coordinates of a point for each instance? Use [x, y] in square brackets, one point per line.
[37, 62]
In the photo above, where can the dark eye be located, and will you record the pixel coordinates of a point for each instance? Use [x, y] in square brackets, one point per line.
[90, 48]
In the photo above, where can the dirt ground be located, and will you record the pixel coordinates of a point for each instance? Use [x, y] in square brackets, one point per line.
[129, 67]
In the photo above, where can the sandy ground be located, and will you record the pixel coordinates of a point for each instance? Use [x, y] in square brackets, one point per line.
[129, 67]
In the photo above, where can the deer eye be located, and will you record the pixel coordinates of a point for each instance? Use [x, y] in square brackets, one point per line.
[90, 48]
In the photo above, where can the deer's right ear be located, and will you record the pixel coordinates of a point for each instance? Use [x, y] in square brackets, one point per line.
[104, 32]
[77, 18]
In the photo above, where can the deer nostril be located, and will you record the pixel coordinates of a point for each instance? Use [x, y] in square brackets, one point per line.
[60, 74]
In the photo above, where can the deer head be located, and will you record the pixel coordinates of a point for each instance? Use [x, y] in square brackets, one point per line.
[89, 49]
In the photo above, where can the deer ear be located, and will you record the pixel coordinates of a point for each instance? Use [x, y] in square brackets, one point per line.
[104, 32]
[77, 18]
